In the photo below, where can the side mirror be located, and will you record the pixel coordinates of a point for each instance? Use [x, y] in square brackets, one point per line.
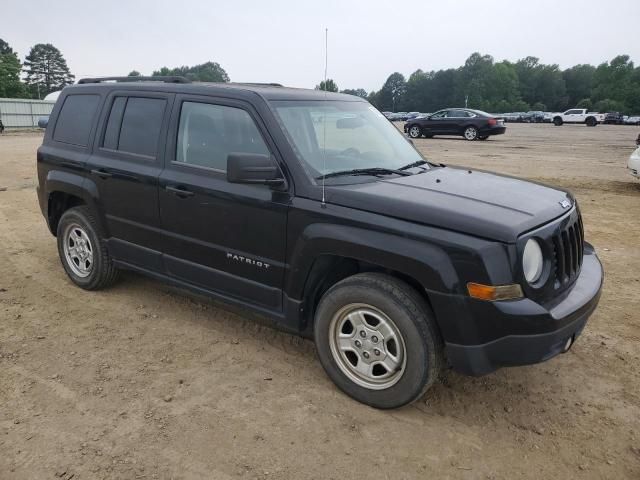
[43, 122]
[253, 168]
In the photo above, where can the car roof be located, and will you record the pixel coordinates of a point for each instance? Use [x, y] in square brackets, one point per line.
[266, 91]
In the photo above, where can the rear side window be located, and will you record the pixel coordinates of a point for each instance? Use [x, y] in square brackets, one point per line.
[208, 133]
[134, 125]
[75, 119]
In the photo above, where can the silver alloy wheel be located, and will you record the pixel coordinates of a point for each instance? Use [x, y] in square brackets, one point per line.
[470, 133]
[78, 251]
[367, 346]
[414, 131]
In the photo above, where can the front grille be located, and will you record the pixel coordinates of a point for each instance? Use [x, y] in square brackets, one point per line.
[568, 247]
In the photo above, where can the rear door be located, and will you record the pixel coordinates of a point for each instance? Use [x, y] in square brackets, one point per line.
[456, 120]
[125, 165]
[227, 238]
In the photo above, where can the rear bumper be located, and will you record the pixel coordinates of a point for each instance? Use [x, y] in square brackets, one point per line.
[559, 326]
[493, 131]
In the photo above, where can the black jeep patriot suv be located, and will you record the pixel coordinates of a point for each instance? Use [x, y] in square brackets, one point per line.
[312, 209]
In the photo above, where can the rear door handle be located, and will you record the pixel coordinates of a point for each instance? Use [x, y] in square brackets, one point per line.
[102, 173]
[179, 191]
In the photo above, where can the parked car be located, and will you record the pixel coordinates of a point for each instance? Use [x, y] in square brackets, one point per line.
[387, 114]
[578, 115]
[512, 116]
[632, 120]
[548, 117]
[470, 124]
[633, 164]
[533, 117]
[395, 266]
[613, 118]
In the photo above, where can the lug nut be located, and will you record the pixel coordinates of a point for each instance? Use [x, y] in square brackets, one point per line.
[376, 351]
[363, 334]
[374, 339]
[358, 343]
[365, 354]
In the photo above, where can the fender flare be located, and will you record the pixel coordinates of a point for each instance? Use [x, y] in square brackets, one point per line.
[426, 263]
[76, 185]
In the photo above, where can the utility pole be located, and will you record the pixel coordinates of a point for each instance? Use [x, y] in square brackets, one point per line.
[466, 100]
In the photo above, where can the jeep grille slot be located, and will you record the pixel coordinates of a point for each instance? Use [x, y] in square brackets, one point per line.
[568, 249]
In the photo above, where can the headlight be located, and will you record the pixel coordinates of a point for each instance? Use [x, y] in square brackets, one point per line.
[532, 261]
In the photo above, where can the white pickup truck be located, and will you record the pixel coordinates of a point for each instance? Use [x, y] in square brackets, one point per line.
[578, 115]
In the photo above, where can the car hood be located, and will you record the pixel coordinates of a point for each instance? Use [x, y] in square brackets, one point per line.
[479, 203]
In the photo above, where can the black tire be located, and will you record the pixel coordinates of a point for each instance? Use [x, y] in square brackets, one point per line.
[415, 131]
[102, 271]
[557, 121]
[591, 122]
[470, 133]
[483, 137]
[423, 346]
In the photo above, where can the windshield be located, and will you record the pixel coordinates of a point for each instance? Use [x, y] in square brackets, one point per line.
[335, 136]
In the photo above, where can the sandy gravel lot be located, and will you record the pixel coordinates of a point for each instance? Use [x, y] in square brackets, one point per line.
[145, 381]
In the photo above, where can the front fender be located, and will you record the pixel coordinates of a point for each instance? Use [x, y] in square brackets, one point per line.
[427, 263]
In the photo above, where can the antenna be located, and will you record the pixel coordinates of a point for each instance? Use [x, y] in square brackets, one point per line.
[324, 117]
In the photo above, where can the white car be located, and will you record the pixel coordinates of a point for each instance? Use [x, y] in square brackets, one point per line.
[634, 163]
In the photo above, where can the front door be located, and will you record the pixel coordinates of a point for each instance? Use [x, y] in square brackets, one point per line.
[437, 122]
[227, 238]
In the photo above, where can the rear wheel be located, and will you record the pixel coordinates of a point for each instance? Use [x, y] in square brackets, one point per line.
[470, 133]
[377, 340]
[591, 122]
[83, 254]
[415, 131]
[557, 121]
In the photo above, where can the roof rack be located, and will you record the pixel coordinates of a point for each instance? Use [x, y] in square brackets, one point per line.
[258, 84]
[165, 79]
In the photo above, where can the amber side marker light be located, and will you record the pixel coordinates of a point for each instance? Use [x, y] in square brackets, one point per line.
[492, 293]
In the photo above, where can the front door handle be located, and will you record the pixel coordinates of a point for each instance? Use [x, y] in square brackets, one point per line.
[102, 173]
[179, 191]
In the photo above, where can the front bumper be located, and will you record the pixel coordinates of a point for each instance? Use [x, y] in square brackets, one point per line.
[532, 333]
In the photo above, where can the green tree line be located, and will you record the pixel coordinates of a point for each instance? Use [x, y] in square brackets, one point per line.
[508, 86]
[482, 83]
[45, 70]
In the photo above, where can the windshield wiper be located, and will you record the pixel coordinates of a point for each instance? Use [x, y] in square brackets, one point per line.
[364, 171]
[414, 164]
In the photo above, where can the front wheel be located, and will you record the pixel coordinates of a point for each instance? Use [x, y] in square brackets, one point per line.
[557, 121]
[415, 131]
[377, 340]
[470, 133]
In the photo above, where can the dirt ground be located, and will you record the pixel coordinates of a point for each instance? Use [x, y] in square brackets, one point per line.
[145, 381]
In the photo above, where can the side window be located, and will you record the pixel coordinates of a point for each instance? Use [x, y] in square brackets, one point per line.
[457, 114]
[75, 119]
[208, 133]
[134, 125]
[440, 114]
